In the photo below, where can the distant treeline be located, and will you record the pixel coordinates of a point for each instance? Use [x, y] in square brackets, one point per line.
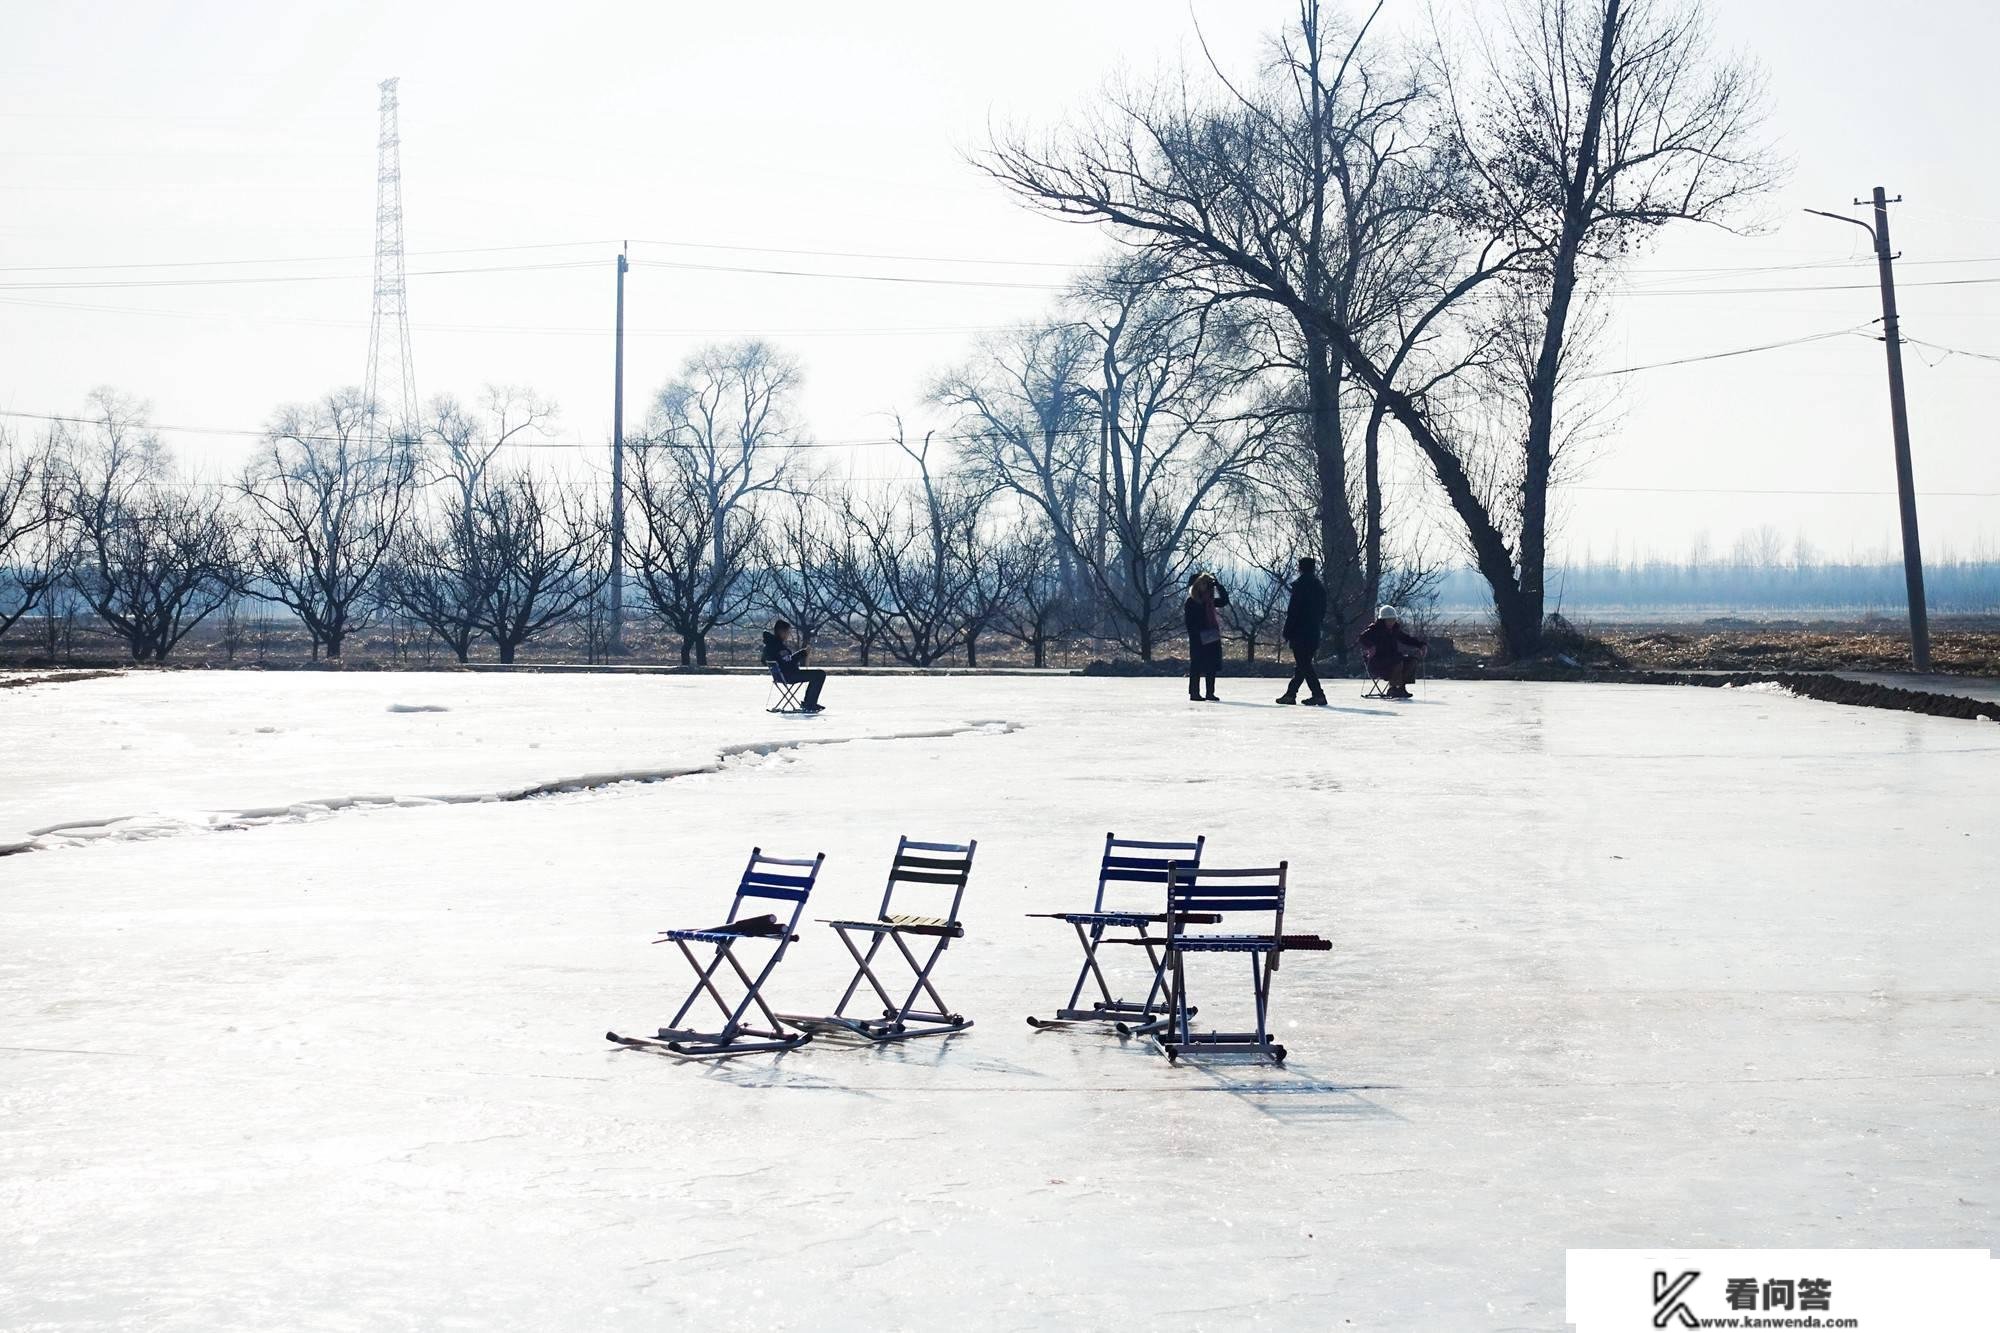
[1952, 586]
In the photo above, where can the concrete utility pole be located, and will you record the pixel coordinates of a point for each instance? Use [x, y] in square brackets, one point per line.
[618, 470]
[1899, 424]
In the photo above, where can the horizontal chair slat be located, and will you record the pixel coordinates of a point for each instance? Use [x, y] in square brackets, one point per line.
[937, 846]
[932, 862]
[1225, 905]
[902, 876]
[763, 860]
[1205, 885]
[1140, 862]
[767, 891]
[1163, 846]
[1226, 872]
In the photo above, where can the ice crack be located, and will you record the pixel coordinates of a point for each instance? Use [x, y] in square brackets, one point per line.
[132, 828]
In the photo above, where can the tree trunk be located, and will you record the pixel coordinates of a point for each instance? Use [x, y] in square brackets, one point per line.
[1525, 633]
[333, 641]
[972, 649]
[1340, 552]
[687, 651]
[506, 652]
[701, 650]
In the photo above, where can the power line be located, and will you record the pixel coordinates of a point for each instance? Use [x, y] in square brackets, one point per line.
[1804, 287]
[573, 329]
[847, 277]
[1735, 351]
[296, 259]
[862, 254]
[1754, 490]
[278, 277]
[1950, 351]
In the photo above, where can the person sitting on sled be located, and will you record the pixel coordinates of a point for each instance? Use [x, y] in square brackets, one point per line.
[1392, 652]
[790, 663]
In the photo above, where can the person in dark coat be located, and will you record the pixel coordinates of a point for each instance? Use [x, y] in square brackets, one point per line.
[790, 663]
[1204, 630]
[1305, 612]
[1392, 652]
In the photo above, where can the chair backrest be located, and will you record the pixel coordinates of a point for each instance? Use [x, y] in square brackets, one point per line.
[1231, 893]
[777, 878]
[1130, 864]
[778, 671]
[933, 867]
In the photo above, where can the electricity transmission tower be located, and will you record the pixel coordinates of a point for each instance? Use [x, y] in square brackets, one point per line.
[390, 393]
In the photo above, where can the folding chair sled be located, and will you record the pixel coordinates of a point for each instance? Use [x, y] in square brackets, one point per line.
[924, 869]
[1226, 897]
[771, 879]
[1128, 910]
[784, 694]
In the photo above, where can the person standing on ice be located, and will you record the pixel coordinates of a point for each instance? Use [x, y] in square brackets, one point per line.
[1305, 612]
[1205, 600]
[790, 662]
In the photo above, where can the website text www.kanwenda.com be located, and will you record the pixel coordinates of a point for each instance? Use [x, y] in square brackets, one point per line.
[1775, 1321]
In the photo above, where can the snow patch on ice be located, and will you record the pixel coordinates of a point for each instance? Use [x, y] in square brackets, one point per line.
[418, 708]
[135, 828]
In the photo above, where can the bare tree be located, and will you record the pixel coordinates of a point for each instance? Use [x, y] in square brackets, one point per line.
[1593, 123]
[33, 549]
[1168, 393]
[543, 546]
[799, 560]
[906, 565]
[440, 577]
[157, 554]
[732, 413]
[460, 445]
[691, 559]
[1041, 610]
[329, 494]
[1299, 193]
[1024, 415]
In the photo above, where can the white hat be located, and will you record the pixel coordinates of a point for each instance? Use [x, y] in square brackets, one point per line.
[1387, 612]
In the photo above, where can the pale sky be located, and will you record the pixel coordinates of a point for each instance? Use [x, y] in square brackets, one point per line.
[194, 133]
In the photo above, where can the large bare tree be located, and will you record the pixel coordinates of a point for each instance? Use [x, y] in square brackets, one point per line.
[732, 414]
[692, 560]
[1296, 192]
[157, 553]
[1584, 127]
[1024, 421]
[33, 550]
[329, 494]
[1169, 393]
[543, 546]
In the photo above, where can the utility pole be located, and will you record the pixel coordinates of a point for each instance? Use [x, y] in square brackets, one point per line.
[618, 471]
[1899, 424]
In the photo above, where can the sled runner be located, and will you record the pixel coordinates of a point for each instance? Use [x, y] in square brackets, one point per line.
[920, 870]
[1209, 896]
[1131, 891]
[766, 878]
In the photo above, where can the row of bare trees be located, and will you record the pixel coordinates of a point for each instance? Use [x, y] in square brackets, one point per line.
[1362, 246]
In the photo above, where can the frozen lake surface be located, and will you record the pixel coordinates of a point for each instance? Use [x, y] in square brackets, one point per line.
[283, 1044]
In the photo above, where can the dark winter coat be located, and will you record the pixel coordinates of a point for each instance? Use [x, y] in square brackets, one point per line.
[1305, 613]
[1388, 644]
[787, 659]
[1206, 656]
